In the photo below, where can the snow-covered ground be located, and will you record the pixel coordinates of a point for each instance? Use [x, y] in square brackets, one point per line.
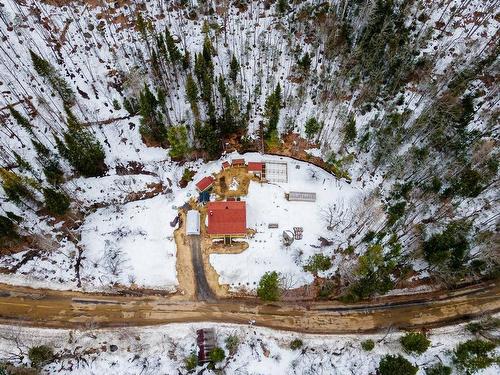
[162, 350]
[266, 204]
[139, 237]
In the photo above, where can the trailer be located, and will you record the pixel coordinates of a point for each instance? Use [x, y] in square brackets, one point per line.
[193, 223]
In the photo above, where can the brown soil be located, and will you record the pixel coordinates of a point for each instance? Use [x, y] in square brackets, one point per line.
[184, 265]
[242, 177]
[62, 309]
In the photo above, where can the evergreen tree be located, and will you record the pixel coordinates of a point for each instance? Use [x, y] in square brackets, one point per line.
[415, 342]
[58, 83]
[16, 187]
[305, 62]
[8, 231]
[450, 247]
[350, 130]
[208, 138]
[152, 126]
[392, 364]
[42, 66]
[269, 287]
[207, 50]
[474, 355]
[282, 6]
[142, 26]
[173, 51]
[312, 127]
[186, 60]
[21, 120]
[81, 149]
[234, 68]
[177, 137]
[192, 95]
[56, 202]
[22, 163]
[272, 111]
[131, 106]
[52, 171]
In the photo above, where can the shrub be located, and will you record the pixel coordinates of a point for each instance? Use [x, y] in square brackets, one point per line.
[415, 342]
[395, 212]
[367, 345]
[296, 344]
[269, 287]
[191, 361]
[40, 355]
[232, 343]
[391, 365]
[438, 369]
[8, 231]
[217, 355]
[450, 246]
[56, 202]
[318, 262]
[473, 355]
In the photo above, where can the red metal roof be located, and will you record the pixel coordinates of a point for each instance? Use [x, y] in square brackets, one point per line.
[238, 161]
[227, 217]
[225, 164]
[205, 183]
[254, 166]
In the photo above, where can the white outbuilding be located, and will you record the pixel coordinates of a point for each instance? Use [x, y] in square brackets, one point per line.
[193, 222]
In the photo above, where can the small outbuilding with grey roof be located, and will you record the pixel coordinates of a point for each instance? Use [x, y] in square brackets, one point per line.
[192, 223]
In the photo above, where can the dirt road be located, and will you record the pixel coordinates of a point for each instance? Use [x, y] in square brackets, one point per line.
[203, 291]
[50, 308]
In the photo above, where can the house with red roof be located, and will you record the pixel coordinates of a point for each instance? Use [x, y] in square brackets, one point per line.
[227, 220]
[255, 168]
[225, 165]
[205, 183]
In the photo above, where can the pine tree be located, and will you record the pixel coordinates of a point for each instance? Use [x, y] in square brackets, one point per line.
[177, 137]
[152, 127]
[305, 62]
[22, 163]
[142, 26]
[173, 51]
[282, 6]
[312, 127]
[16, 187]
[58, 83]
[52, 171]
[192, 95]
[207, 50]
[81, 149]
[56, 202]
[42, 66]
[186, 60]
[350, 130]
[131, 106]
[21, 120]
[208, 138]
[234, 68]
[8, 232]
[272, 112]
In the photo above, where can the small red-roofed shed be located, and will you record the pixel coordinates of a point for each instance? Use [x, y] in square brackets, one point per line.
[255, 168]
[238, 162]
[225, 165]
[205, 183]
